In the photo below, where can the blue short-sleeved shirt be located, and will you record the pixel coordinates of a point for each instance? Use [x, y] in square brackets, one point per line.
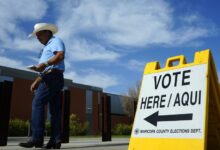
[55, 44]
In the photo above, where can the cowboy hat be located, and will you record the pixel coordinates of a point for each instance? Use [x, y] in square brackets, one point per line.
[43, 26]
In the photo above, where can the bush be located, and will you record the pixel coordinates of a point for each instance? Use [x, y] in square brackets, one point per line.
[122, 129]
[18, 127]
[47, 128]
[76, 127]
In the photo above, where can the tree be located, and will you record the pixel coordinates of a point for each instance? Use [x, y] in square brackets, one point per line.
[134, 91]
[128, 101]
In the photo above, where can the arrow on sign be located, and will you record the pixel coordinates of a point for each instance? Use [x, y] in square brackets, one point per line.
[154, 118]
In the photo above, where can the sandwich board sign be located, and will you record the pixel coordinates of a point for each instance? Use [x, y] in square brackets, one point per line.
[172, 111]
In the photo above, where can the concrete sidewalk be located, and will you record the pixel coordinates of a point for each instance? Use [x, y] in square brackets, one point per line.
[77, 144]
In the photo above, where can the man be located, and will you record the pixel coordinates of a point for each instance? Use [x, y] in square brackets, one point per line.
[47, 87]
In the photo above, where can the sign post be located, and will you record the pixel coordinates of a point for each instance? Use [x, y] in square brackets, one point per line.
[172, 110]
[5, 106]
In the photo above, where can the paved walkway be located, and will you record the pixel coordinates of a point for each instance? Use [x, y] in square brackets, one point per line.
[77, 144]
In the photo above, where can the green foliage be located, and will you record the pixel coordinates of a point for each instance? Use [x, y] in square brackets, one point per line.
[76, 127]
[122, 129]
[18, 127]
[47, 128]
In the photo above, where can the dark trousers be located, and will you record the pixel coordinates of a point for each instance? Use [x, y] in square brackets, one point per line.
[48, 92]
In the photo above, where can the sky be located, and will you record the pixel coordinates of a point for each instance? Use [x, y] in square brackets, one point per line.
[109, 42]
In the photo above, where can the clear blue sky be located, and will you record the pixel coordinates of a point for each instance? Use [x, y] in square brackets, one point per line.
[108, 42]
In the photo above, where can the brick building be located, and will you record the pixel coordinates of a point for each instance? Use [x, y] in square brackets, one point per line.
[85, 100]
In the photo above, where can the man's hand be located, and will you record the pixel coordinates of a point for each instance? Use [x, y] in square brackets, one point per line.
[39, 68]
[35, 84]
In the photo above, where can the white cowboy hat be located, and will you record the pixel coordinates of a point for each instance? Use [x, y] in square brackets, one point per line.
[43, 26]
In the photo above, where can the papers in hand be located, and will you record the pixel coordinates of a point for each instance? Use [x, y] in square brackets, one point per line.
[31, 67]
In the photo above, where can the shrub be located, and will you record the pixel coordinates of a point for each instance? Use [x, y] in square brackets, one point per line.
[47, 128]
[76, 127]
[122, 129]
[18, 127]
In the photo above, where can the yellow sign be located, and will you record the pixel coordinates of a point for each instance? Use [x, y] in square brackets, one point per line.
[173, 107]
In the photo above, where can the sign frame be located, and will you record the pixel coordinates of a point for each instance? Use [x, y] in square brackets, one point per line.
[183, 143]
